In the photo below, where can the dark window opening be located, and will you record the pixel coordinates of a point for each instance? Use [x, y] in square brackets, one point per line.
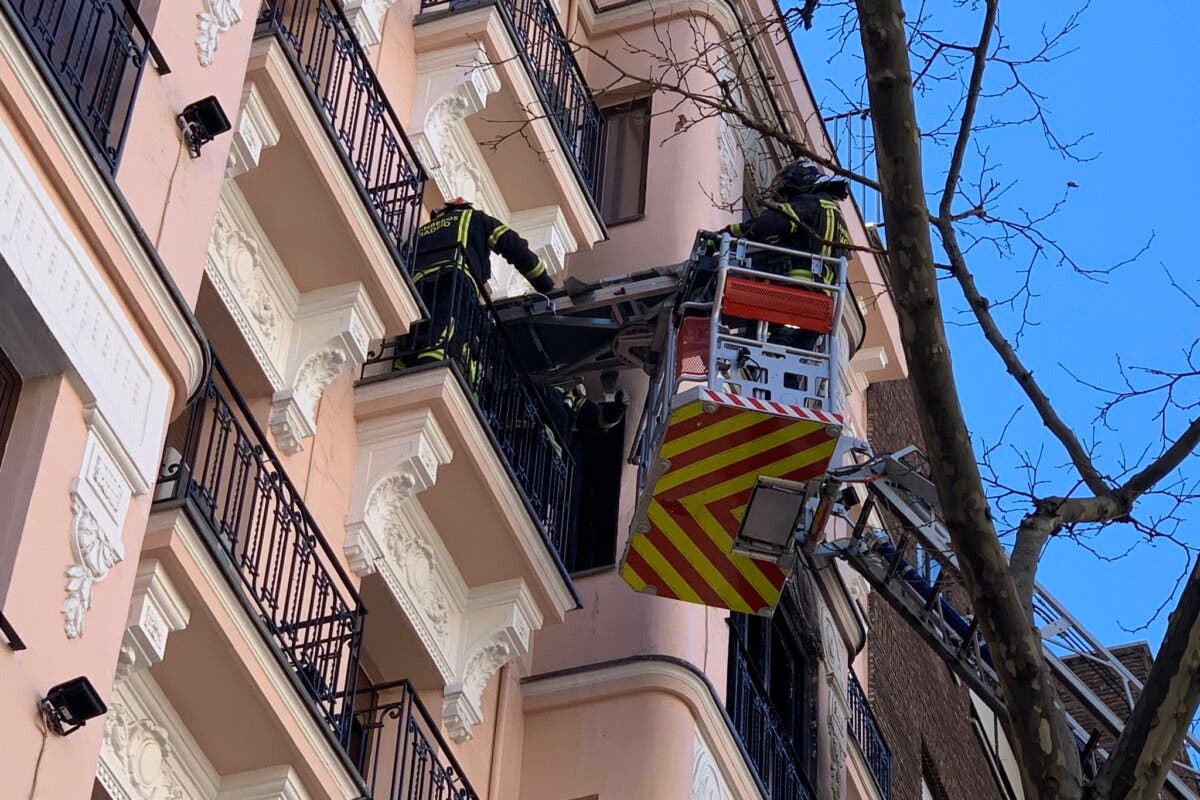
[626, 152]
[599, 462]
[777, 661]
[10, 390]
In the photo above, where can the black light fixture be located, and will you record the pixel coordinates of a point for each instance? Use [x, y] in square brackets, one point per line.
[69, 705]
[201, 122]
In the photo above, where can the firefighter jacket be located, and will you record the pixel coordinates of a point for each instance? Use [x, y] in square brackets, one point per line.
[462, 237]
[810, 222]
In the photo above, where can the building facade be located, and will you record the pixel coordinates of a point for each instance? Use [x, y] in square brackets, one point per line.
[216, 461]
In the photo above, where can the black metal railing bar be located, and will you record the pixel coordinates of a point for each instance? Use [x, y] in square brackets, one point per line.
[400, 751]
[343, 89]
[758, 725]
[94, 52]
[865, 730]
[10, 634]
[562, 89]
[465, 332]
[221, 468]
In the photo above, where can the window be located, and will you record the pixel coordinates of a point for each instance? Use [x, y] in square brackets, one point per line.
[626, 150]
[599, 463]
[780, 664]
[10, 389]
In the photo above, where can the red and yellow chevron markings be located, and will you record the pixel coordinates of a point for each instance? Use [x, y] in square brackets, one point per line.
[715, 448]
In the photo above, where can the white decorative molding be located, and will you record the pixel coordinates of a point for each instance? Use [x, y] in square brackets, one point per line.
[271, 783]
[548, 235]
[500, 619]
[452, 84]
[99, 498]
[651, 678]
[302, 342]
[155, 611]
[839, 741]
[731, 161]
[253, 283]
[217, 17]
[147, 752]
[707, 781]
[96, 549]
[366, 17]
[286, 706]
[398, 456]
[84, 320]
[255, 132]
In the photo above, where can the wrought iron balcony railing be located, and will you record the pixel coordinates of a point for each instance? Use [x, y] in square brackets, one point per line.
[94, 52]
[758, 725]
[399, 751]
[221, 471]
[562, 90]
[865, 730]
[465, 333]
[10, 634]
[345, 93]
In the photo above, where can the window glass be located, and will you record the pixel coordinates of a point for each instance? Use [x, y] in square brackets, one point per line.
[10, 388]
[626, 148]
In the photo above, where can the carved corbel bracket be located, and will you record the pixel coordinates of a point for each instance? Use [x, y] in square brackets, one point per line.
[255, 132]
[499, 621]
[366, 18]
[398, 456]
[156, 611]
[332, 332]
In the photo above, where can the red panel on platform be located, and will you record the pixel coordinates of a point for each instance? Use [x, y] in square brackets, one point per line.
[773, 302]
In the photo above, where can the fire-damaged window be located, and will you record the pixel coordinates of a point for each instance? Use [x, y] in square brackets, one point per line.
[772, 691]
[599, 464]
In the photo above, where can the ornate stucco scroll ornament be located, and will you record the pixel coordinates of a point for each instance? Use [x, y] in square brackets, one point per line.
[217, 17]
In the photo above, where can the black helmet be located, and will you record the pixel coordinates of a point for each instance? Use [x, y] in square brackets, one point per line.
[796, 177]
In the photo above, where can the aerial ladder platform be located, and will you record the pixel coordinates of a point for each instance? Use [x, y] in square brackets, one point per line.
[743, 459]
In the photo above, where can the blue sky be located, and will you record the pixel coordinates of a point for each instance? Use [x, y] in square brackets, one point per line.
[1131, 84]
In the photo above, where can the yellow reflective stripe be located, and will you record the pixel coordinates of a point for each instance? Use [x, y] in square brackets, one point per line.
[632, 578]
[791, 214]
[675, 582]
[536, 272]
[496, 234]
[830, 223]
[736, 229]
[464, 224]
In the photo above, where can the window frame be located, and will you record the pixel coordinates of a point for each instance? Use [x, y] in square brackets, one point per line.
[10, 394]
[623, 107]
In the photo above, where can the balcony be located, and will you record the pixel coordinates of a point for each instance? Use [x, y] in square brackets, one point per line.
[758, 726]
[222, 474]
[562, 90]
[220, 470]
[399, 751]
[869, 738]
[504, 115]
[505, 402]
[93, 52]
[340, 183]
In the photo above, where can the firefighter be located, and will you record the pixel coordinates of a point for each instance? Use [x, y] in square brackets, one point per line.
[802, 214]
[452, 271]
[573, 412]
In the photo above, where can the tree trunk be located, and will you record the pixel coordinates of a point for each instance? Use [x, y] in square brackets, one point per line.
[1044, 749]
[1153, 734]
